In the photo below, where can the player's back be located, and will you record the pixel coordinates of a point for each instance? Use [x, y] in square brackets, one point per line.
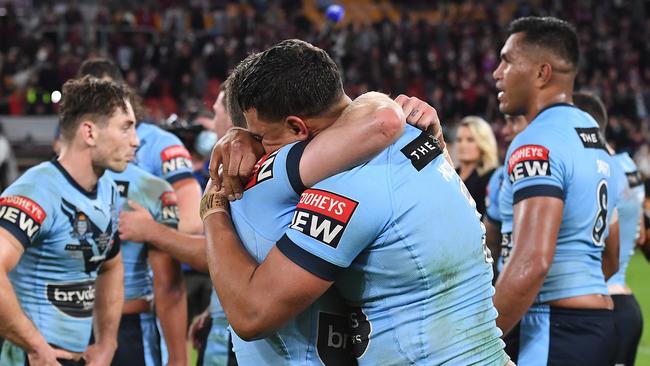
[318, 335]
[162, 154]
[629, 212]
[562, 154]
[67, 233]
[401, 236]
[157, 196]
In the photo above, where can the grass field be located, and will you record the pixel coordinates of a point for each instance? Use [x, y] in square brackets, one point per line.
[638, 276]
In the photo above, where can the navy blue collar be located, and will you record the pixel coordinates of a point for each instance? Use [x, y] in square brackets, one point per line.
[90, 194]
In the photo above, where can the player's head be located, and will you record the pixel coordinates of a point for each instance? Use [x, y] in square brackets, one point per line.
[512, 127]
[101, 68]
[475, 143]
[96, 115]
[284, 90]
[540, 57]
[593, 105]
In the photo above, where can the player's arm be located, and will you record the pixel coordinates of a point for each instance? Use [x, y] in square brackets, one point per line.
[536, 224]
[107, 311]
[15, 326]
[137, 225]
[257, 299]
[188, 193]
[170, 303]
[612, 248]
[641, 238]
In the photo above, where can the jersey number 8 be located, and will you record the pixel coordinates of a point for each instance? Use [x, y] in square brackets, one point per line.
[600, 223]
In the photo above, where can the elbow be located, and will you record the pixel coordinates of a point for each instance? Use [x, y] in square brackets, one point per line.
[250, 323]
[249, 329]
[390, 123]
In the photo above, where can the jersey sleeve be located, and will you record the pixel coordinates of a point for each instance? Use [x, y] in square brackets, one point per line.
[538, 166]
[165, 208]
[25, 212]
[333, 222]
[172, 162]
[492, 196]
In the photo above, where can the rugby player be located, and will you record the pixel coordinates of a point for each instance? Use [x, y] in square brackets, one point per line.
[62, 270]
[389, 231]
[629, 321]
[557, 198]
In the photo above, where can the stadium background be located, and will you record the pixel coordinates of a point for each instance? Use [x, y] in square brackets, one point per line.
[175, 55]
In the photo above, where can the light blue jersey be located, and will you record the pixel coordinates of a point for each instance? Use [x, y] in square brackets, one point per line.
[67, 233]
[492, 197]
[158, 197]
[401, 237]
[629, 214]
[162, 154]
[561, 154]
[317, 336]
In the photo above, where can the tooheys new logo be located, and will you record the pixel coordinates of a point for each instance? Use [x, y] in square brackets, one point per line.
[174, 158]
[22, 213]
[323, 215]
[169, 210]
[528, 161]
[73, 299]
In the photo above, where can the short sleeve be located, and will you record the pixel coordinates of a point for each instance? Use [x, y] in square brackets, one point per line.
[537, 166]
[167, 209]
[333, 222]
[25, 212]
[492, 196]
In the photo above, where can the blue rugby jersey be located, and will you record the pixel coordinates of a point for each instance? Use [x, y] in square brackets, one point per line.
[158, 197]
[561, 154]
[67, 233]
[401, 237]
[319, 334]
[492, 197]
[629, 208]
[162, 154]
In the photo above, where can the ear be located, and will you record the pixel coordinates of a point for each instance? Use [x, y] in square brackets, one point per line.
[88, 131]
[297, 127]
[544, 74]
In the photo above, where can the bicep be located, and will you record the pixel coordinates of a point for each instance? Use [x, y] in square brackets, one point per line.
[188, 193]
[10, 250]
[536, 224]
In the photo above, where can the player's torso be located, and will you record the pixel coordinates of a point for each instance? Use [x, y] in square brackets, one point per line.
[319, 334]
[55, 277]
[629, 212]
[425, 283]
[570, 136]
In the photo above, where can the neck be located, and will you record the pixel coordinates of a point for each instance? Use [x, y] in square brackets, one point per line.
[80, 167]
[561, 92]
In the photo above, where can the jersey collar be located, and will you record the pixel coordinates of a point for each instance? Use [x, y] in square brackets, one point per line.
[90, 194]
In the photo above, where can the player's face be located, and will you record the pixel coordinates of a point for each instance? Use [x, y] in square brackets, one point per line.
[272, 135]
[514, 77]
[467, 150]
[116, 141]
[514, 125]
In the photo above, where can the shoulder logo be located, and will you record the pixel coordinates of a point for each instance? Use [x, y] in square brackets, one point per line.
[422, 150]
[528, 161]
[323, 215]
[263, 169]
[22, 212]
[591, 138]
[174, 158]
[169, 210]
[634, 179]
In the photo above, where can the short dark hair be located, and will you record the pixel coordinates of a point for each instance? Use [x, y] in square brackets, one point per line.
[231, 104]
[90, 98]
[593, 105]
[551, 33]
[100, 67]
[291, 78]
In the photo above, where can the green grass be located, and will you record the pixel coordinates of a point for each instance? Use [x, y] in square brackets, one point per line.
[638, 275]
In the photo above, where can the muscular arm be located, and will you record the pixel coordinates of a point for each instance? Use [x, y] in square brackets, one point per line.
[612, 250]
[188, 193]
[257, 299]
[535, 229]
[109, 299]
[170, 303]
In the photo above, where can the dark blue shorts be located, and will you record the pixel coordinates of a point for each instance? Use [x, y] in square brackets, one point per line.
[558, 337]
[216, 347]
[138, 341]
[629, 324]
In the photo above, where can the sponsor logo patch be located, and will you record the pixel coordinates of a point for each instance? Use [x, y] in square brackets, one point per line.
[174, 158]
[22, 212]
[122, 188]
[591, 138]
[263, 170]
[169, 209]
[360, 328]
[506, 246]
[334, 341]
[634, 179]
[528, 161]
[73, 299]
[422, 150]
[323, 215]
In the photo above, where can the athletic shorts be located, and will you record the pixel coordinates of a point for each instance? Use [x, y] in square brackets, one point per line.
[11, 355]
[629, 324]
[138, 341]
[216, 349]
[563, 337]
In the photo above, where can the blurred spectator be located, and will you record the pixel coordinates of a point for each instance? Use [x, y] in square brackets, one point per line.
[8, 168]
